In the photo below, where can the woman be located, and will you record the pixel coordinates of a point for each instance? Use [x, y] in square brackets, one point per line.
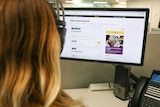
[29, 56]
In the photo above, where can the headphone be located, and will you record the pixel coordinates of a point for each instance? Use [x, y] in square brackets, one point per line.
[56, 8]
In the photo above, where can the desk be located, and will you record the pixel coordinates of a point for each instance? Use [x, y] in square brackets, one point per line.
[97, 98]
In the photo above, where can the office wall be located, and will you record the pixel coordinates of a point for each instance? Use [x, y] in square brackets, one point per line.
[154, 7]
[79, 74]
[152, 55]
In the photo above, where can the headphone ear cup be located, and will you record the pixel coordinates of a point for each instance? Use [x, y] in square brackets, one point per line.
[62, 33]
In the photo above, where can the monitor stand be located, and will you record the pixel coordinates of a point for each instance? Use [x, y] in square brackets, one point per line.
[122, 81]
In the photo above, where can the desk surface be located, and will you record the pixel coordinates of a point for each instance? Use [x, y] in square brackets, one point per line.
[97, 98]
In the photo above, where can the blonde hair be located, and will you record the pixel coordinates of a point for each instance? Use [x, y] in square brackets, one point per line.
[29, 56]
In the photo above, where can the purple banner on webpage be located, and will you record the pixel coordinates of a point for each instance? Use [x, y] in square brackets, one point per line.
[114, 50]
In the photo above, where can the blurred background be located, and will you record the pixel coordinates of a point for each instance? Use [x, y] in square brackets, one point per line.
[77, 74]
[95, 3]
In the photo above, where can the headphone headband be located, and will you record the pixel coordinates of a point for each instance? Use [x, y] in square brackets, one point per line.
[57, 8]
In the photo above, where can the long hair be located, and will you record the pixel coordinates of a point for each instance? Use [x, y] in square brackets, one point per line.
[29, 56]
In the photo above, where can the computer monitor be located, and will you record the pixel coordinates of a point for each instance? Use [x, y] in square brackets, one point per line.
[112, 35]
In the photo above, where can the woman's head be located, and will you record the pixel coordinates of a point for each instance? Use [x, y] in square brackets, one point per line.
[29, 53]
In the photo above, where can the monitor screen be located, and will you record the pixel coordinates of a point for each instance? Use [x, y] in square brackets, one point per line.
[112, 35]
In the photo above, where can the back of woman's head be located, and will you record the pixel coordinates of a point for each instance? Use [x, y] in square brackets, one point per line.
[29, 54]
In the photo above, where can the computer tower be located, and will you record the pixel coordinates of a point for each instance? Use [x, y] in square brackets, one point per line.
[121, 82]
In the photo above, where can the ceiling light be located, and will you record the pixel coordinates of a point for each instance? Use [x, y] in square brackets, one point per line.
[68, 1]
[73, 1]
[97, 2]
